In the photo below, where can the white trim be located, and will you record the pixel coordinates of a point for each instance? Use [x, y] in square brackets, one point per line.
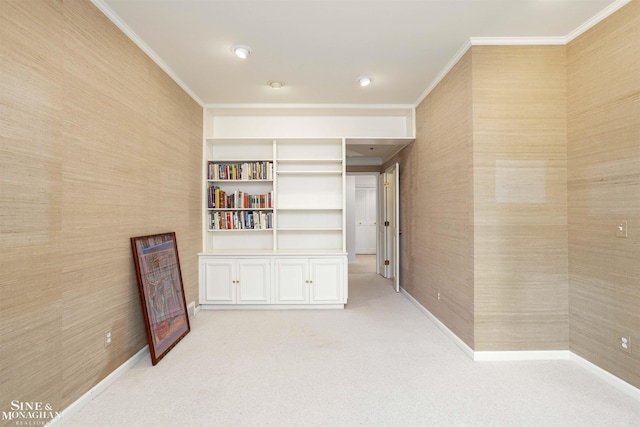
[520, 41]
[504, 356]
[213, 307]
[517, 41]
[463, 346]
[508, 356]
[607, 377]
[311, 106]
[605, 13]
[488, 41]
[113, 17]
[443, 73]
[84, 400]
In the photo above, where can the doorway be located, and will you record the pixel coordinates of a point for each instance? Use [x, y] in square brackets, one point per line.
[373, 223]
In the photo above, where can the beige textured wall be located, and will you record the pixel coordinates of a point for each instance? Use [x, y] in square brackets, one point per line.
[554, 134]
[520, 197]
[97, 145]
[436, 211]
[604, 187]
[483, 193]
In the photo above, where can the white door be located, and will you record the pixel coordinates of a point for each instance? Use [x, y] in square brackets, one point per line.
[388, 228]
[382, 229]
[393, 216]
[365, 220]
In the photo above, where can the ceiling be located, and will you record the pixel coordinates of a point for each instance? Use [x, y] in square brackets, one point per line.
[319, 48]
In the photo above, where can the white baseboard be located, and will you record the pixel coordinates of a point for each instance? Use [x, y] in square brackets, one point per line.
[463, 346]
[98, 388]
[505, 356]
[486, 356]
[271, 306]
[607, 377]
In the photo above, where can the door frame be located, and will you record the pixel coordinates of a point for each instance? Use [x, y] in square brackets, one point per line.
[388, 236]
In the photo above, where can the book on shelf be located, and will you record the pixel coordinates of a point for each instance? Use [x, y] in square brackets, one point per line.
[220, 199]
[240, 171]
[241, 220]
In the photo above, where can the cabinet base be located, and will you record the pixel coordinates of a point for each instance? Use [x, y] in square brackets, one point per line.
[271, 306]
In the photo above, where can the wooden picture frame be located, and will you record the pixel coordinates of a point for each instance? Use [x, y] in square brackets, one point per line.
[161, 292]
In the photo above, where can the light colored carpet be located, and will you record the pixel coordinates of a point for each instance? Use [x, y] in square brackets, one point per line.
[379, 362]
[363, 264]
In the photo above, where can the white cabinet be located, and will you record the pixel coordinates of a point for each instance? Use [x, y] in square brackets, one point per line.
[295, 281]
[235, 280]
[327, 280]
[291, 281]
[310, 280]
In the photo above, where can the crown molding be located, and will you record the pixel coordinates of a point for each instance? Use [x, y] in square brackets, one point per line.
[113, 17]
[521, 41]
[311, 106]
[605, 13]
[517, 41]
[452, 62]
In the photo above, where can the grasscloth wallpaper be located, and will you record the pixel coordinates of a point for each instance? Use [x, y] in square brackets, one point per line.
[436, 211]
[523, 164]
[97, 145]
[520, 197]
[603, 136]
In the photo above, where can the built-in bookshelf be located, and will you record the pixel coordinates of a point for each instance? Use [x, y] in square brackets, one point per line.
[284, 194]
[274, 223]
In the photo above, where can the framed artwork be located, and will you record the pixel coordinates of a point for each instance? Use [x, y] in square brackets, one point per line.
[161, 292]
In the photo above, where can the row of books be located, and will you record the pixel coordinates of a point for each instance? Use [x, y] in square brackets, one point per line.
[241, 171]
[244, 220]
[220, 199]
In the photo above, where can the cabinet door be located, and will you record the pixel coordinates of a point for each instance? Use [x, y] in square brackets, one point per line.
[254, 281]
[219, 281]
[292, 283]
[327, 280]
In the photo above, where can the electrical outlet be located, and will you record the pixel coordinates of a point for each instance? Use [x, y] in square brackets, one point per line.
[107, 339]
[621, 229]
[625, 344]
[439, 296]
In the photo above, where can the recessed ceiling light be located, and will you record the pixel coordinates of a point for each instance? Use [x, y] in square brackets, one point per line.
[275, 84]
[364, 81]
[241, 51]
